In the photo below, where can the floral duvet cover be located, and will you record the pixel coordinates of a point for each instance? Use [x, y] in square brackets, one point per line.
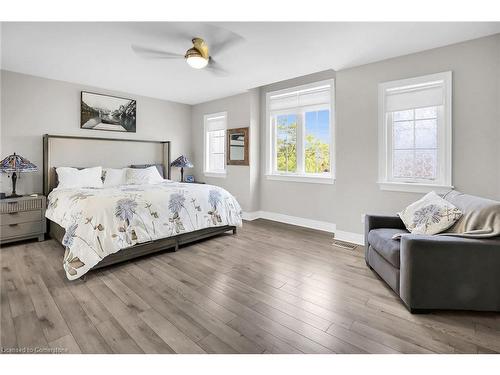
[100, 222]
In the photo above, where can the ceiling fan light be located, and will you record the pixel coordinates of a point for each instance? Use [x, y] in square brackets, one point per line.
[196, 62]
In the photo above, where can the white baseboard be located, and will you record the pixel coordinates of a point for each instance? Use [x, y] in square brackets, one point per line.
[306, 223]
[351, 237]
[287, 219]
[249, 216]
[299, 221]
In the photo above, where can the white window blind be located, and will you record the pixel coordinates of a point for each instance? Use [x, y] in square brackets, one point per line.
[300, 98]
[416, 96]
[216, 123]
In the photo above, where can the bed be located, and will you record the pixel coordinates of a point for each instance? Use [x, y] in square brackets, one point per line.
[102, 226]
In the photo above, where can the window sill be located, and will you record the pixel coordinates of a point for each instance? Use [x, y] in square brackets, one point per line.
[307, 179]
[411, 187]
[215, 174]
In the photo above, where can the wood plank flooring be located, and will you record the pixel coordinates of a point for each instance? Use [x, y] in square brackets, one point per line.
[272, 288]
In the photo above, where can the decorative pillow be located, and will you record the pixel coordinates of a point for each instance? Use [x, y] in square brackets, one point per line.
[79, 178]
[142, 166]
[148, 175]
[114, 177]
[429, 215]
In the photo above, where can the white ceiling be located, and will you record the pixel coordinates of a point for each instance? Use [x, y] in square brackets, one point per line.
[99, 54]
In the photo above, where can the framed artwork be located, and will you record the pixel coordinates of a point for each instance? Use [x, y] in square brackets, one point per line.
[189, 178]
[105, 112]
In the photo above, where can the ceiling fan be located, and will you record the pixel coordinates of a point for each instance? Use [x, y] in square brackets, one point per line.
[199, 56]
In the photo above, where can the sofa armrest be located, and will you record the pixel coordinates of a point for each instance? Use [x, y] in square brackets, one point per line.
[448, 272]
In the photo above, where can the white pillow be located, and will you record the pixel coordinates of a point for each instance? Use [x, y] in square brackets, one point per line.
[429, 215]
[79, 178]
[115, 177]
[138, 176]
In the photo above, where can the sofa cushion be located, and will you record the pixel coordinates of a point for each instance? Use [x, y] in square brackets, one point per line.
[382, 242]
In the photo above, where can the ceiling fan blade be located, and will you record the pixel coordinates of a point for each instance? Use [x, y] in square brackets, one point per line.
[151, 53]
[217, 37]
[228, 41]
[215, 68]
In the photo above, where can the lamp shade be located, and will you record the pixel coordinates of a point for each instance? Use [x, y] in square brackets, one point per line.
[16, 163]
[182, 162]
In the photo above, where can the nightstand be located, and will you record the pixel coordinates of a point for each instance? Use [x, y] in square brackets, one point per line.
[194, 182]
[22, 218]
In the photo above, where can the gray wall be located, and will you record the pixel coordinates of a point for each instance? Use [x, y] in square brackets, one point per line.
[32, 106]
[476, 135]
[242, 111]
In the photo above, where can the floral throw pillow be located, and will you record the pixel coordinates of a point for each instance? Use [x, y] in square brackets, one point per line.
[429, 215]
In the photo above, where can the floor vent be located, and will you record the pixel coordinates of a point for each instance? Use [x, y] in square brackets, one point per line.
[344, 245]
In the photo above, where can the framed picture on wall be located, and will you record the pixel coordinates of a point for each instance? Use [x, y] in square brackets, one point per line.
[105, 112]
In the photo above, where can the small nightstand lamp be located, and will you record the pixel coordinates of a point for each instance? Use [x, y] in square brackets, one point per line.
[182, 162]
[15, 164]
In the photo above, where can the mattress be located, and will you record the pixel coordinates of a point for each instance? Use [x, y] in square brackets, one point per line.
[100, 222]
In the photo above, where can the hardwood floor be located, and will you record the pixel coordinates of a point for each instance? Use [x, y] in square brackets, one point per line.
[272, 288]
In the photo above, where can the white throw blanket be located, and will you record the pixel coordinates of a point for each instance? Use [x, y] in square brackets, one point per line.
[480, 219]
[100, 222]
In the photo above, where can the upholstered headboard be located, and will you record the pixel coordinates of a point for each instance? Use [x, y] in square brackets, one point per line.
[74, 151]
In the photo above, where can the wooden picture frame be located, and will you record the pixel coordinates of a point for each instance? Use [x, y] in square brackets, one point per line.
[237, 146]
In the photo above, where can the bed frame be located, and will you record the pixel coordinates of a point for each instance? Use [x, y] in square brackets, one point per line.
[62, 150]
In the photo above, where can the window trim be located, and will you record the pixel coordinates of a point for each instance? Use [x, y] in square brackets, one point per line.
[271, 173]
[206, 171]
[444, 145]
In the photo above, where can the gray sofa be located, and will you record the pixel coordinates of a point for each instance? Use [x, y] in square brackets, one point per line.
[434, 272]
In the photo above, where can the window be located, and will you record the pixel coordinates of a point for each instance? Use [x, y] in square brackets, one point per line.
[300, 133]
[215, 145]
[415, 134]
